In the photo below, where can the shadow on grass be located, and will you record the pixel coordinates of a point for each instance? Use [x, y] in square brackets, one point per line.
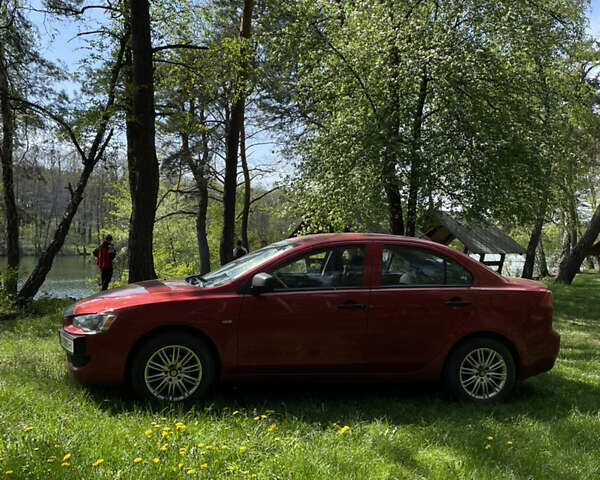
[549, 397]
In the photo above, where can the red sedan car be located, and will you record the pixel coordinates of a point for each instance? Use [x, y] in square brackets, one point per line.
[350, 306]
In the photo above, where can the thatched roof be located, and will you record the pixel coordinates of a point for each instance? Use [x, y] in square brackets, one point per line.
[478, 239]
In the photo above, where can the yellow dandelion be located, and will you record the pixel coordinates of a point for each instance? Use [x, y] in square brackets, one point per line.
[245, 472]
[35, 449]
[180, 465]
[509, 443]
[180, 426]
[182, 451]
[248, 435]
[65, 464]
[490, 438]
[196, 423]
[204, 466]
[156, 460]
[164, 434]
[344, 429]
[224, 447]
[163, 418]
[50, 460]
[253, 475]
[200, 445]
[28, 429]
[263, 416]
[173, 469]
[137, 460]
[164, 447]
[191, 471]
[148, 432]
[8, 472]
[488, 446]
[269, 411]
[272, 428]
[235, 412]
[66, 457]
[56, 445]
[166, 429]
[242, 448]
[256, 418]
[277, 439]
[97, 462]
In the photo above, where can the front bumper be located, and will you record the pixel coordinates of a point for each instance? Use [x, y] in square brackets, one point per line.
[90, 358]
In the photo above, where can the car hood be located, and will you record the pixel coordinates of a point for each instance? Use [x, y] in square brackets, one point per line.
[150, 291]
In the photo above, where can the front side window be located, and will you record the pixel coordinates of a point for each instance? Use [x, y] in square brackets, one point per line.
[335, 267]
[413, 266]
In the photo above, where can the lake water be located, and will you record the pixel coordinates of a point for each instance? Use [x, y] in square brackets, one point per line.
[71, 276]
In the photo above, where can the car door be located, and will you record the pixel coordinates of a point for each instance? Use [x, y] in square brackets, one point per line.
[423, 299]
[313, 321]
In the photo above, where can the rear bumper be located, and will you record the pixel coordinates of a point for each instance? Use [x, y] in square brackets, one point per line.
[542, 358]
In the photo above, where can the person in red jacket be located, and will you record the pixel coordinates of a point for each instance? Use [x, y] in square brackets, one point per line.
[105, 254]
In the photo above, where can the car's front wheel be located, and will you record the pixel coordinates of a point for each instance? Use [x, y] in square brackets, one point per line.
[173, 367]
[481, 370]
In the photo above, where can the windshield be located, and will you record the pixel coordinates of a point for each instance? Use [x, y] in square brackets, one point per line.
[239, 266]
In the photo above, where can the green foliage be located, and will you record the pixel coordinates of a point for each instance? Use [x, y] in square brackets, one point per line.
[452, 92]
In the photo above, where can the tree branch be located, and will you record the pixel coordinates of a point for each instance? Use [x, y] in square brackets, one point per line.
[179, 45]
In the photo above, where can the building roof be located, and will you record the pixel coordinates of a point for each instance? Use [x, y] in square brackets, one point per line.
[478, 239]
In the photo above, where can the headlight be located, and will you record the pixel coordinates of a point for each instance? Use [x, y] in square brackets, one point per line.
[94, 322]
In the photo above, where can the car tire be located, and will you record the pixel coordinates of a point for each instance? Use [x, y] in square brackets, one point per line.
[173, 367]
[480, 370]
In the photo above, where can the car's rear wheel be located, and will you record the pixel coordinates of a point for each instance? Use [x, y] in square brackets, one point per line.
[173, 367]
[481, 370]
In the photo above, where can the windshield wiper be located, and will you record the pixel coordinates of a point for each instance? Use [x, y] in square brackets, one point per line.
[195, 280]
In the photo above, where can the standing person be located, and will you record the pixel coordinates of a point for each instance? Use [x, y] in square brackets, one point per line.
[239, 250]
[105, 254]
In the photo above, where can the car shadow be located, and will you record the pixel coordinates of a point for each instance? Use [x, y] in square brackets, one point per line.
[323, 403]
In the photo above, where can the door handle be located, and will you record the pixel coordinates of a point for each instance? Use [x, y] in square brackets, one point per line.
[352, 306]
[457, 302]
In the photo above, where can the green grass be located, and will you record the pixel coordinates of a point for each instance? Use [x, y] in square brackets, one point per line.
[298, 431]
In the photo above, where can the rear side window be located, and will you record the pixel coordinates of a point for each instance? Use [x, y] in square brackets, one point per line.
[413, 266]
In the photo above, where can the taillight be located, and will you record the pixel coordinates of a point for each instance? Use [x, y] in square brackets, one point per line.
[546, 299]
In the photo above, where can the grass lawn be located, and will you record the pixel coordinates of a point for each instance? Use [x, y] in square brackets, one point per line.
[52, 427]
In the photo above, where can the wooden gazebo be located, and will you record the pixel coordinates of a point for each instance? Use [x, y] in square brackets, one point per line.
[481, 240]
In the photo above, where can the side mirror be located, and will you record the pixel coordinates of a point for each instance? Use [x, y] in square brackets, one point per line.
[262, 283]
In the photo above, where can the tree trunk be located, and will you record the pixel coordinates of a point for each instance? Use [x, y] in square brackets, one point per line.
[247, 192]
[390, 159]
[570, 265]
[542, 260]
[10, 205]
[143, 163]
[200, 174]
[232, 142]
[415, 160]
[534, 240]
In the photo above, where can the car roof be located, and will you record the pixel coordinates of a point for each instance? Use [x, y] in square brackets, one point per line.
[364, 237]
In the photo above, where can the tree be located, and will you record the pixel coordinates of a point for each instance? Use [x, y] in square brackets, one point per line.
[233, 128]
[141, 149]
[22, 72]
[406, 106]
